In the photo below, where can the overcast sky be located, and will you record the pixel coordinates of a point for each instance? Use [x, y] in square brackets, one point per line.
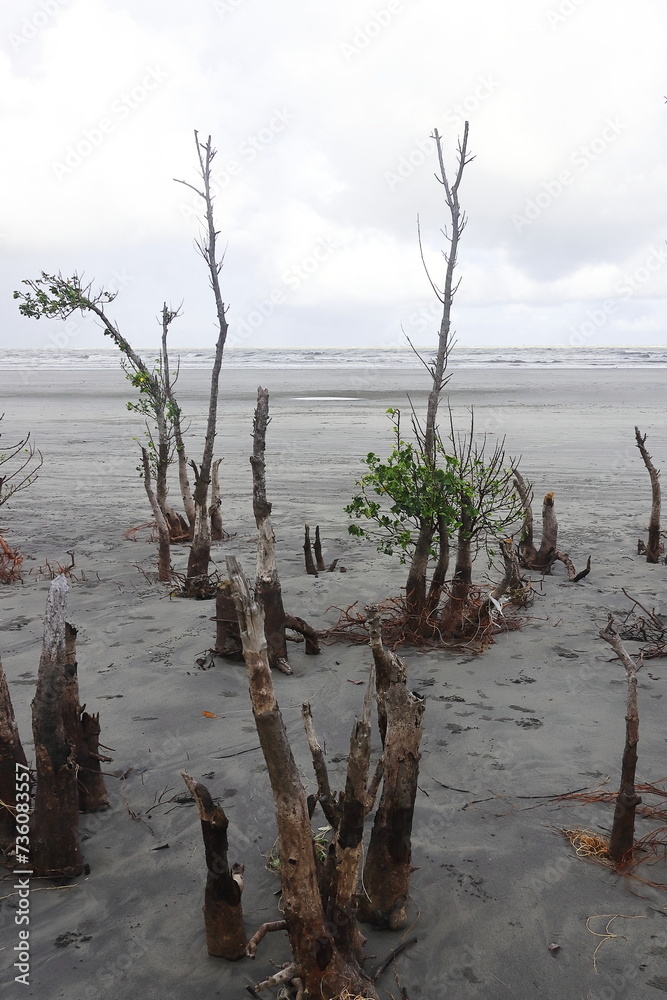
[321, 113]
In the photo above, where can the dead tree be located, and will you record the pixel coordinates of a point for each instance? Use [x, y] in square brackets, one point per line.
[197, 582]
[325, 971]
[345, 813]
[653, 547]
[12, 765]
[19, 465]
[418, 603]
[542, 559]
[319, 558]
[621, 841]
[54, 825]
[267, 583]
[223, 911]
[383, 899]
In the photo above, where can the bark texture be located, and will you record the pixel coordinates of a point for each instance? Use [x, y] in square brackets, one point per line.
[54, 826]
[622, 837]
[227, 636]
[223, 912]
[383, 900]
[11, 755]
[324, 970]
[267, 583]
[164, 537]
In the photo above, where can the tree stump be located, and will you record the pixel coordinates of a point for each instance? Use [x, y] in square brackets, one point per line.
[223, 912]
[621, 842]
[326, 972]
[54, 826]
[383, 900]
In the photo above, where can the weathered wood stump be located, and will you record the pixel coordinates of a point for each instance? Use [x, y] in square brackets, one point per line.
[223, 912]
[54, 826]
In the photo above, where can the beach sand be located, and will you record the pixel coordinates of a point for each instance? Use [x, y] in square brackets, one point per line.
[539, 713]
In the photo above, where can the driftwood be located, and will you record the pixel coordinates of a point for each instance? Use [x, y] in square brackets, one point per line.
[267, 584]
[653, 546]
[542, 559]
[223, 912]
[383, 900]
[621, 841]
[227, 636]
[13, 765]
[324, 969]
[54, 826]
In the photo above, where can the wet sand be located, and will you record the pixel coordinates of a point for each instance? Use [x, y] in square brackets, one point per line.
[539, 713]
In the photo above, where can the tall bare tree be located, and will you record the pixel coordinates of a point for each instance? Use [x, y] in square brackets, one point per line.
[418, 601]
[197, 577]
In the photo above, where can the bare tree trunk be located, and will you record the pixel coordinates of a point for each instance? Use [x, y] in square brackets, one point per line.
[383, 899]
[319, 560]
[511, 580]
[54, 826]
[311, 568]
[164, 544]
[183, 478]
[416, 583]
[415, 588]
[621, 842]
[217, 530]
[653, 546]
[227, 635]
[455, 611]
[196, 584]
[441, 567]
[342, 900]
[319, 963]
[13, 765]
[223, 911]
[267, 583]
[526, 546]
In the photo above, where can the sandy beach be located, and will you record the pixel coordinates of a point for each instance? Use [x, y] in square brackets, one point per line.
[539, 713]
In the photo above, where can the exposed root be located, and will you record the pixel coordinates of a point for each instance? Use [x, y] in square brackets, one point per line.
[10, 563]
[478, 625]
